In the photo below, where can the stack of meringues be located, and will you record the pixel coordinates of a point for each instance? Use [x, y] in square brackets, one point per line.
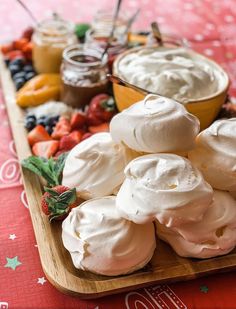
[144, 161]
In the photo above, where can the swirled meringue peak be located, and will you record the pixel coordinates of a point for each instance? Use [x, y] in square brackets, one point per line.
[156, 124]
[214, 235]
[95, 167]
[215, 154]
[100, 241]
[165, 187]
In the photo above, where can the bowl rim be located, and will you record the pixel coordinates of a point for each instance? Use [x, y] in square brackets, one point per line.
[190, 101]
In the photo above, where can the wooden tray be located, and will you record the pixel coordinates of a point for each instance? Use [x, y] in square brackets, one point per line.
[165, 265]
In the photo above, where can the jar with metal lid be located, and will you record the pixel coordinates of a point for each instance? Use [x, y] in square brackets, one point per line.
[84, 74]
[50, 38]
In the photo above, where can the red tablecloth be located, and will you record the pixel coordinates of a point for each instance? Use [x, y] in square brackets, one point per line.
[210, 27]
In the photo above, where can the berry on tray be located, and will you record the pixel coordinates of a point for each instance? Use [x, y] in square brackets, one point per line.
[19, 83]
[45, 149]
[78, 121]
[62, 128]
[69, 141]
[58, 201]
[38, 134]
[103, 127]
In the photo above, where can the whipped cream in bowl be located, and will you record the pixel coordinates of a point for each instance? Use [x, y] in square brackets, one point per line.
[102, 242]
[177, 73]
[95, 167]
[165, 187]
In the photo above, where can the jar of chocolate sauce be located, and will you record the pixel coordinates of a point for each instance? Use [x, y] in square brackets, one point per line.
[83, 74]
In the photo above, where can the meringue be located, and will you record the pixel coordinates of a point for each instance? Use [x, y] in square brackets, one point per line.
[172, 72]
[214, 235]
[100, 241]
[164, 187]
[95, 167]
[156, 124]
[215, 154]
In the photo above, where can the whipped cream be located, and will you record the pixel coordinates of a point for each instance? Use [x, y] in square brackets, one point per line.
[51, 108]
[164, 187]
[214, 235]
[95, 167]
[215, 154]
[156, 124]
[100, 241]
[172, 72]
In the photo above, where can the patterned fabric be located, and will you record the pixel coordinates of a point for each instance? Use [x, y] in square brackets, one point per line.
[210, 27]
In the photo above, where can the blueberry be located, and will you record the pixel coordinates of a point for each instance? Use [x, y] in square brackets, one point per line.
[14, 68]
[49, 129]
[29, 125]
[28, 68]
[42, 120]
[29, 75]
[19, 82]
[31, 117]
[20, 61]
[19, 75]
[50, 121]
[7, 61]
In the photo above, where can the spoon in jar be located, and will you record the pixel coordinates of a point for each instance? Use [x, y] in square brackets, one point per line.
[113, 27]
[28, 11]
[157, 33]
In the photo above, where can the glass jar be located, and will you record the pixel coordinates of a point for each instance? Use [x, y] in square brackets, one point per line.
[83, 73]
[99, 39]
[49, 40]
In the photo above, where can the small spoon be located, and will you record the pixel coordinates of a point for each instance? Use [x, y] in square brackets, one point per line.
[28, 11]
[156, 33]
[113, 27]
[117, 80]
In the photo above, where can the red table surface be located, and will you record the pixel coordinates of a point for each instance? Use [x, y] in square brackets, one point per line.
[210, 26]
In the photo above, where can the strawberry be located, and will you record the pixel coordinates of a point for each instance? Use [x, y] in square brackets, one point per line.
[78, 121]
[69, 141]
[62, 128]
[45, 149]
[104, 127]
[57, 202]
[59, 152]
[38, 134]
[14, 54]
[28, 32]
[6, 48]
[101, 109]
[20, 44]
[86, 135]
[27, 50]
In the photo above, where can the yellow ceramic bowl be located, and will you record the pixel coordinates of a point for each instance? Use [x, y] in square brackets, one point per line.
[206, 109]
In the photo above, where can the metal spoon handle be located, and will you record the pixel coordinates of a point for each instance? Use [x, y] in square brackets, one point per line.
[29, 12]
[157, 33]
[113, 27]
[117, 80]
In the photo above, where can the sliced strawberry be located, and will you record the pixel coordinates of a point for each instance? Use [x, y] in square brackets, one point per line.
[62, 128]
[6, 48]
[28, 33]
[38, 134]
[19, 44]
[86, 135]
[70, 141]
[45, 149]
[104, 127]
[27, 50]
[78, 121]
[14, 54]
[59, 152]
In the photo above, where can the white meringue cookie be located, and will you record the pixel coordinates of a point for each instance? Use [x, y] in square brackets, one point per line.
[95, 167]
[215, 154]
[100, 241]
[214, 235]
[164, 187]
[156, 124]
